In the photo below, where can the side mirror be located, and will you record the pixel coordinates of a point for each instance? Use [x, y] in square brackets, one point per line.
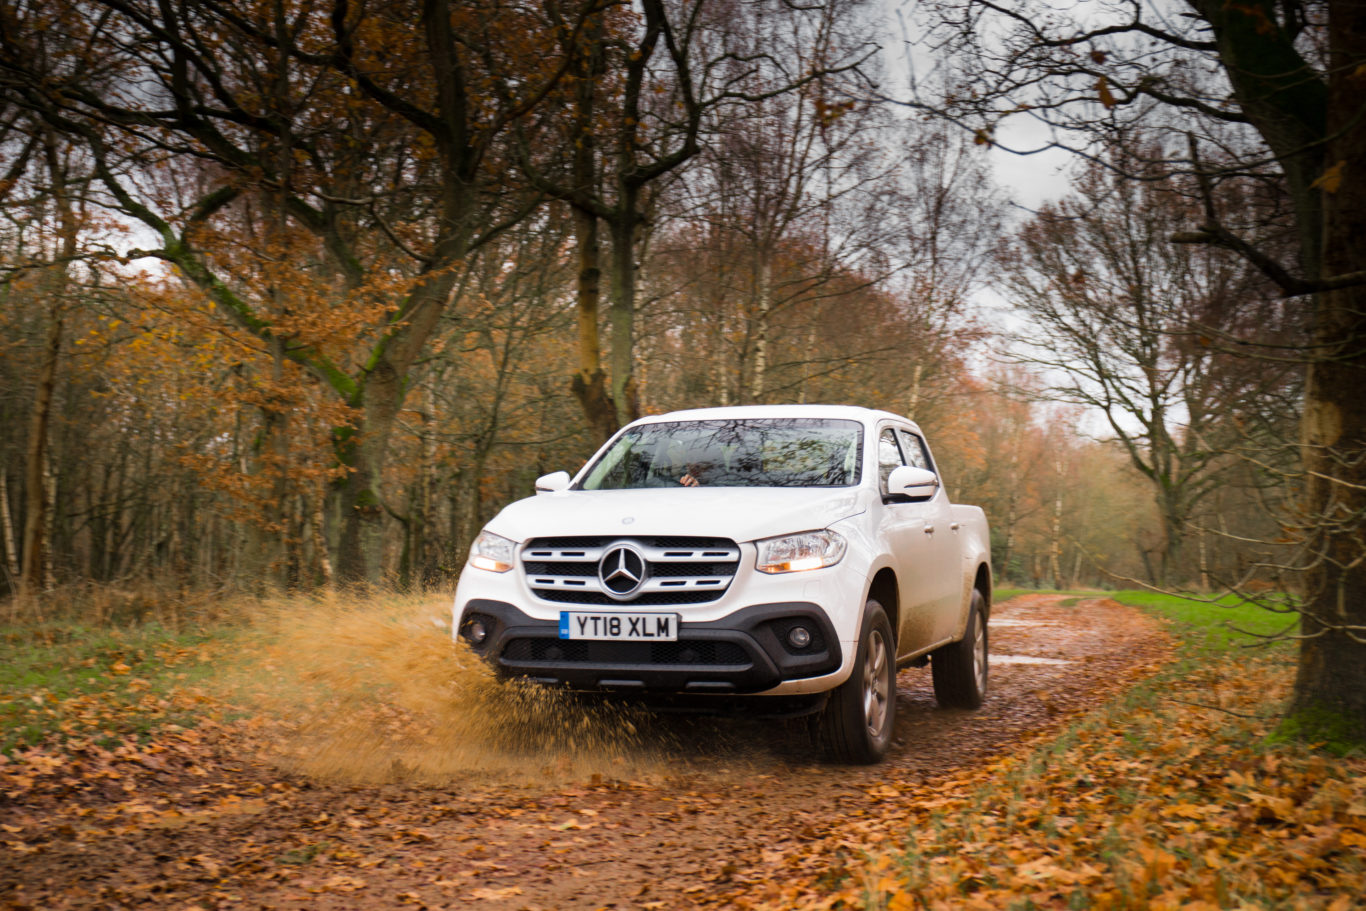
[907, 481]
[554, 482]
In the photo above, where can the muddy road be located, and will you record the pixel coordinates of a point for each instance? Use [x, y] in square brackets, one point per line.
[713, 810]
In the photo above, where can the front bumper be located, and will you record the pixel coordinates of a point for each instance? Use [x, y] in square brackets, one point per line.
[743, 652]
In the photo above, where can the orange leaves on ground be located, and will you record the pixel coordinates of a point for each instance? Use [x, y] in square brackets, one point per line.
[1160, 801]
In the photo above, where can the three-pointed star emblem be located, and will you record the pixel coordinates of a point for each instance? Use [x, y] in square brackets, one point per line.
[622, 571]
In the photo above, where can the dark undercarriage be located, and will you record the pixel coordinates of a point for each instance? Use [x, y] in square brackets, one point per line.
[746, 652]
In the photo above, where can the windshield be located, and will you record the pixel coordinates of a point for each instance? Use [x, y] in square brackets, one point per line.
[771, 452]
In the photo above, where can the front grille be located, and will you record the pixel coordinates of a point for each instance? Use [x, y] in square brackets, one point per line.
[683, 652]
[676, 570]
[649, 599]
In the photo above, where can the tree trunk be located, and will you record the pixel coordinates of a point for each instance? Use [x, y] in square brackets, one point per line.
[913, 400]
[50, 519]
[33, 570]
[764, 294]
[322, 560]
[379, 396]
[7, 536]
[277, 441]
[1204, 562]
[720, 365]
[1330, 685]
[590, 382]
[426, 498]
[363, 453]
[624, 310]
[1174, 513]
[1055, 547]
[1147, 556]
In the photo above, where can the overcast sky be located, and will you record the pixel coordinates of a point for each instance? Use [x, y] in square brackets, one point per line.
[1029, 180]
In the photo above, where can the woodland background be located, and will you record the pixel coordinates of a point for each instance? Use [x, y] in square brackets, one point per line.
[298, 293]
[294, 293]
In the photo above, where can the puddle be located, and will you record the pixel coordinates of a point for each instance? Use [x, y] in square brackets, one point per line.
[1026, 659]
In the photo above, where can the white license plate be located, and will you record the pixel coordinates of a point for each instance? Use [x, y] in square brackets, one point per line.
[615, 626]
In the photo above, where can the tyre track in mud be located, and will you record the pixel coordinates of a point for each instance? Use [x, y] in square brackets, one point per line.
[736, 800]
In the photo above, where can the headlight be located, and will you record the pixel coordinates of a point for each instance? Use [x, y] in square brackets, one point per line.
[797, 553]
[491, 552]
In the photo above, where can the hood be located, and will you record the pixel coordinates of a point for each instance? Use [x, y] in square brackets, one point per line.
[738, 513]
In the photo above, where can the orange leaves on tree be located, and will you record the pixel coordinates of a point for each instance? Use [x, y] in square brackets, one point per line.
[1331, 179]
[1107, 97]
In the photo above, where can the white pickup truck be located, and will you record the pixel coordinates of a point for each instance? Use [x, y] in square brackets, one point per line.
[788, 558]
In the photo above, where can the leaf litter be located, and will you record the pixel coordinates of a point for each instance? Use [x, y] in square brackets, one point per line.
[365, 761]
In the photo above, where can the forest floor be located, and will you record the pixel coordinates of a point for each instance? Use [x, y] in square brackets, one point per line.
[347, 806]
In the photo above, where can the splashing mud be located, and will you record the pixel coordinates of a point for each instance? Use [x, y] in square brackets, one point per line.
[373, 689]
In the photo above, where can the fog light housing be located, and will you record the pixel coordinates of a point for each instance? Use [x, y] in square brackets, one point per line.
[476, 631]
[799, 637]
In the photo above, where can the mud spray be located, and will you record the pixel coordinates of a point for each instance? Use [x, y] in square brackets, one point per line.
[373, 689]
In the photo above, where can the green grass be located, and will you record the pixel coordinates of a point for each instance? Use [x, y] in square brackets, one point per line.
[71, 680]
[1001, 594]
[1206, 622]
[1217, 624]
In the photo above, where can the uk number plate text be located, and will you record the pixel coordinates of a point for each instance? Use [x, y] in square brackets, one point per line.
[627, 627]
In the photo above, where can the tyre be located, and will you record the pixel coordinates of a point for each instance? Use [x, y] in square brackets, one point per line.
[960, 668]
[856, 725]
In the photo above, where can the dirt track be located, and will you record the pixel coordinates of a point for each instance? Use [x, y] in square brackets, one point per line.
[733, 802]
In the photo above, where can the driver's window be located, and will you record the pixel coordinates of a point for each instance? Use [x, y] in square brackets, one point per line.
[888, 456]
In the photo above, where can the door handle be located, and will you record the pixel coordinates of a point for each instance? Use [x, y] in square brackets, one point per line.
[929, 529]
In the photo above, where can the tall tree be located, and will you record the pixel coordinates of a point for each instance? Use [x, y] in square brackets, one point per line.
[1117, 315]
[41, 185]
[645, 88]
[377, 139]
[1277, 86]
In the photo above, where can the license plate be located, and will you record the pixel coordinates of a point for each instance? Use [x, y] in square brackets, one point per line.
[618, 627]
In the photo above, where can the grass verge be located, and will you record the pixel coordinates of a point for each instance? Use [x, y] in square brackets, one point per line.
[63, 680]
[1206, 623]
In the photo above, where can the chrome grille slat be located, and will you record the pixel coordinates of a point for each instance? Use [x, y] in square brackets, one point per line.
[564, 554]
[561, 566]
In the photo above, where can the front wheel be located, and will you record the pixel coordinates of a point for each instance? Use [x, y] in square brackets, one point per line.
[960, 668]
[857, 723]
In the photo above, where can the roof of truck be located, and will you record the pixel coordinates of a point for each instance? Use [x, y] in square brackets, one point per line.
[733, 412]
